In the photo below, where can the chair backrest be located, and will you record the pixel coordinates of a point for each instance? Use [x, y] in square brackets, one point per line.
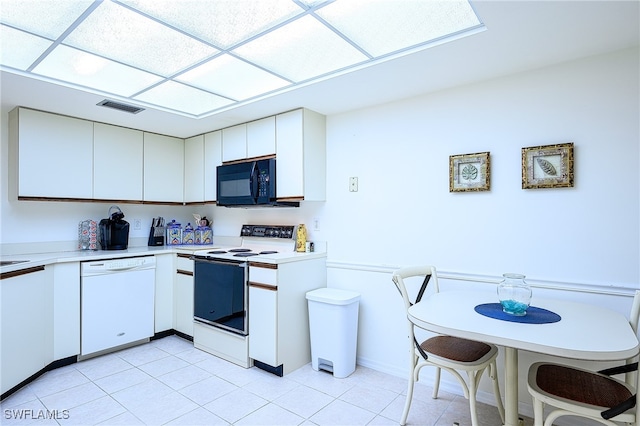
[410, 297]
[634, 317]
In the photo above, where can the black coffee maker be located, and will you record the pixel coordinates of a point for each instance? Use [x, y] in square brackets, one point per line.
[114, 232]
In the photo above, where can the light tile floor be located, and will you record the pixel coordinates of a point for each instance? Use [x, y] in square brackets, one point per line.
[169, 382]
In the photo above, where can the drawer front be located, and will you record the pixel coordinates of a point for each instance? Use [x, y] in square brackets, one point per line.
[261, 275]
[183, 262]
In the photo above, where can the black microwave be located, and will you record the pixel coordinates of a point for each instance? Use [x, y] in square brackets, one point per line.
[247, 184]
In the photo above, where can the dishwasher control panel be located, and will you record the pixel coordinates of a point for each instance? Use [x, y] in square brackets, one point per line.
[115, 265]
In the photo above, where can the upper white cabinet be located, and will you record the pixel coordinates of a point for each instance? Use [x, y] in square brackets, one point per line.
[163, 168]
[212, 159]
[249, 140]
[194, 169]
[202, 155]
[234, 143]
[261, 137]
[301, 155]
[117, 163]
[54, 154]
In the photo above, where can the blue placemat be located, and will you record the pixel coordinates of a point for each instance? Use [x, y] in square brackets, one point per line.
[534, 315]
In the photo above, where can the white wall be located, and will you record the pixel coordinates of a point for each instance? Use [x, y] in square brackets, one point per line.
[580, 243]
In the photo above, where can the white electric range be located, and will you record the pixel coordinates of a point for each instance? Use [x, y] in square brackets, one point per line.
[260, 243]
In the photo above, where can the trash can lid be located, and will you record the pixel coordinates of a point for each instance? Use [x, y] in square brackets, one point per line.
[333, 296]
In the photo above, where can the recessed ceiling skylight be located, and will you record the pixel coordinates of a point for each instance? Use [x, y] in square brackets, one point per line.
[199, 57]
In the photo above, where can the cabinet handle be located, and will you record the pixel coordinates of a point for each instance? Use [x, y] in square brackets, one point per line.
[183, 272]
[263, 286]
[186, 256]
[19, 272]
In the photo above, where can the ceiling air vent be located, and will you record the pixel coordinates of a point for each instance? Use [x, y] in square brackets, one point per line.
[121, 107]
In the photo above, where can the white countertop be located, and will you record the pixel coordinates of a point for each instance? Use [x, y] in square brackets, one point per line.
[48, 258]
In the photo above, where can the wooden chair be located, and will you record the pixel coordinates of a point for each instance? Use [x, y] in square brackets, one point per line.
[452, 354]
[594, 395]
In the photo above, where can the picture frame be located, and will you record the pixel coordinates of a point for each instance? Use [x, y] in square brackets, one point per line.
[469, 172]
[547, 166]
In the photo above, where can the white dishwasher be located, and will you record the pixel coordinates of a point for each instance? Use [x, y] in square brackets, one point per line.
[117, 302]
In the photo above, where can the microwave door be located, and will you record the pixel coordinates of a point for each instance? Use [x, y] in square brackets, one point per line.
[254, 187]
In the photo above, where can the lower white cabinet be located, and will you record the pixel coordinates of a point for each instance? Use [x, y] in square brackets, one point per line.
[66, 310]
[183, 295]
[27, 324]
[164, 292]
[278, 312]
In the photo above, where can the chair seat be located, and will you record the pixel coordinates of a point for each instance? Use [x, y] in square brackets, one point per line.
[455, 348]
[582, 386]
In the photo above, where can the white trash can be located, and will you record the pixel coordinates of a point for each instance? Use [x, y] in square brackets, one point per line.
[333, 324]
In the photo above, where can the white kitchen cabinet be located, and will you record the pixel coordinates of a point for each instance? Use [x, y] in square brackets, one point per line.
[183, 294]
[263, 320]
[163, 168]
[194, 169]
[301, 155]
[66, 310]
[212, 159]
[163, 307]
[27, 324]
[234, 143]
[278, 312]
[53, 153]
[117, 163]
[261, 137]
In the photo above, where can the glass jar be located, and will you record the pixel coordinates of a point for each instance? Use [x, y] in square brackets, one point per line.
[514, 294]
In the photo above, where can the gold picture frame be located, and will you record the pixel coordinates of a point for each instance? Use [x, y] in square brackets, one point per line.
[469, 172]
[547, 166]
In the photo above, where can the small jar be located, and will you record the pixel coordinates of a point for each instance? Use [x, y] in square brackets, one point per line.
[188, 234]
[174, 233]
[204, 235]
[514, 294]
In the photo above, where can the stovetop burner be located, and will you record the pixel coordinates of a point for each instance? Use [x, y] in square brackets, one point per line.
[216, 252]
[245, 254]
[239, 250]
[268, 252]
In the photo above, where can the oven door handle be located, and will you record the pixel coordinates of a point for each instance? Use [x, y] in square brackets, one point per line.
[199, 258]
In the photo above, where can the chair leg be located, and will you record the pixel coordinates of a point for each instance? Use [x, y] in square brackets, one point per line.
[538, 412]
[436, 384]
[407, 403]
[493, 373]
[473, 389]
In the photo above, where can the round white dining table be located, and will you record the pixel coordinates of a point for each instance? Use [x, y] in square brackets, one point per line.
[585, 332]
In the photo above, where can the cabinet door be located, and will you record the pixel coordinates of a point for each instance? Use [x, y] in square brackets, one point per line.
[66, 310]
[55, 155]
[261, 137]
[26, 327]
[212, 159]
[163, 168]
[117, 163]
[263, 324]
[234, 143]
[194, 169]
[289, 154]
[184, 301]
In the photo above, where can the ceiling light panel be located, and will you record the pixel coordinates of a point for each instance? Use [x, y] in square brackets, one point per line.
[45, 18]
[19, 49]
[180, 97]
[78, 67]
[383, 27]
[224, 23]
[301, 50]
[233, 78]
[118, 33]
